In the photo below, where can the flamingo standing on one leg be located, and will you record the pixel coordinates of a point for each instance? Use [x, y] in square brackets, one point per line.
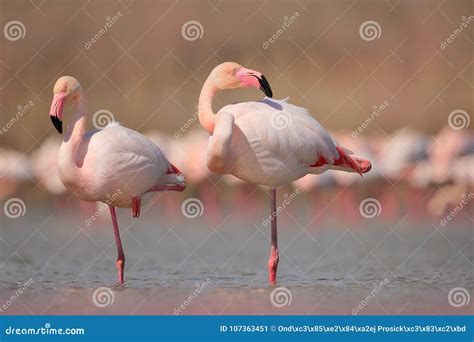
[115, 165]
[247, 140]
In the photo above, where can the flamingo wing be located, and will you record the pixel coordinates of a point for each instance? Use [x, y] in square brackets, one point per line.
[284, 131]
[115, 156]
[283, 135]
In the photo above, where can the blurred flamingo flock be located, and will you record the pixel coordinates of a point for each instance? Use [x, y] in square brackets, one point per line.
[414, 174]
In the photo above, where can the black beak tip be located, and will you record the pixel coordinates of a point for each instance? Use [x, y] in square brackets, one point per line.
[265, 86]
[58, 124]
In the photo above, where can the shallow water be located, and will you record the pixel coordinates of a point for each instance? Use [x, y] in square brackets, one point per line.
[329, 268]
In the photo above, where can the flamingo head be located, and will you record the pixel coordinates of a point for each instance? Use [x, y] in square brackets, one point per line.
[231, 75]
[66, 87]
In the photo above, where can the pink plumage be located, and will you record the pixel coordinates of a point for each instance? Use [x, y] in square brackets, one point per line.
[268, 142]
[114, 165]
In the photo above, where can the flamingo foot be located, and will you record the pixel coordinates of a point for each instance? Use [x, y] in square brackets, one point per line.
[136, 203]
[273, 266]
[120, 268]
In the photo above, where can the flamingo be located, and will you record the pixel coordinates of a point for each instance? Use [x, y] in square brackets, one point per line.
[115, 165]
[44, 162]
[248, 141]
[15, 170]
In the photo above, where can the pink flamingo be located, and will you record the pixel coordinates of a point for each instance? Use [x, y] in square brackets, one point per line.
[115, 165]
[44, 162]
[15, 170]
[267, 142]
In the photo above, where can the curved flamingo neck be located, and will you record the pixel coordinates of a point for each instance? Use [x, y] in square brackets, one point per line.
[74, 133]
[206, 114]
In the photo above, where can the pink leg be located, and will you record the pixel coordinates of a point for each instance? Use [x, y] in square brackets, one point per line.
[121, 257]
[273, 260]
[136, 204]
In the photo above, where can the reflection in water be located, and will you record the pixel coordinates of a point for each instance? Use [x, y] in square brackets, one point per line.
[326, 264]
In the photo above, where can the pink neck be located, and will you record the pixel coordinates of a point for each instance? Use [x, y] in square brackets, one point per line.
[74, 133]
[205, 112]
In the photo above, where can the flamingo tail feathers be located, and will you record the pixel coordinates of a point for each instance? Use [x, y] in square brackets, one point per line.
[173, 180]
[358, 165]
[345, 162]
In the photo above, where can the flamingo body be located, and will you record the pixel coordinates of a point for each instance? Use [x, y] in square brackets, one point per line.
[260, 152]
[117, 165]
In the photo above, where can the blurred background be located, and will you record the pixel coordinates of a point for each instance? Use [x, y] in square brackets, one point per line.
[391, 80]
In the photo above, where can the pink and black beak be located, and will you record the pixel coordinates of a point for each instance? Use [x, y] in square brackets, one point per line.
[56, 111]
[252, 78]
[265, 86]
